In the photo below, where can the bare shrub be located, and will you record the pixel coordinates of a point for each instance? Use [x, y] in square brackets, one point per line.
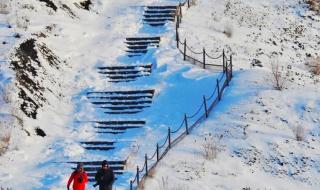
[152, 173]
[299, 132]
[314, 5]
[279, 77]
[4, 143]
[228, 30]
[5, 136]
[210, 148]
[314, 65]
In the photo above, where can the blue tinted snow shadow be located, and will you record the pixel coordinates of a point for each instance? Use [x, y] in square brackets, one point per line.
[181, 95]
[154, 30]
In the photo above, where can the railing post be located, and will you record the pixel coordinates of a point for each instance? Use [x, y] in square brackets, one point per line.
[227, 73]
[186, 122]
[231, 66]
[178, 21]
[218, 88]
[185, 49]
[177, 35]
[223, 61]
[205, 106]
[137, 175]
[169, 137]
[188, 3]
[204, 58]
[180, 9]
[131, 185]
[146, 163]
[157, 152]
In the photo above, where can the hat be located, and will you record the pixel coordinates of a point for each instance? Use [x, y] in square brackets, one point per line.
[79, 166]
[104, 162]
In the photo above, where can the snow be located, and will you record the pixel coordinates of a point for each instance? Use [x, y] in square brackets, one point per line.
[267, 157]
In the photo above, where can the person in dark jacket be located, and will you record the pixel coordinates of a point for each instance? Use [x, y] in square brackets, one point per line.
[79, 178]
[104, 177]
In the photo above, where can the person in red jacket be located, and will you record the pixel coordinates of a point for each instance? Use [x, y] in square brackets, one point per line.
[79, 178]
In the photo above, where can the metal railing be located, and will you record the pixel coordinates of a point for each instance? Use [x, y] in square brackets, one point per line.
[188, 122]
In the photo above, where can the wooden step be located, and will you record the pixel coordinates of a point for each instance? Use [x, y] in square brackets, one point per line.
[137, 43]
[120, 128]
[126, 76]
[157, 38]
[137, 51]
[126, 67]
[121, 112]
[159, 15]
[118, 108]
[132, 92]
[119, 72]
[159, 11]
[123, 102]
[122, 122]
[124, 98]
[98, 143]
[157, 19]
[105, 148]
[139, 47]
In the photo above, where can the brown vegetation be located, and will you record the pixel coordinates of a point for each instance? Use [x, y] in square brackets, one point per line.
[314, 5]
[279, 78]
[314, 65]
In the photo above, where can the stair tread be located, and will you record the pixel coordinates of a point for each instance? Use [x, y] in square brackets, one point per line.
[124, 92]
[159, 15]
[121, 122]
[123, 103]
[143, 38]
[125, 67]
[118, 127]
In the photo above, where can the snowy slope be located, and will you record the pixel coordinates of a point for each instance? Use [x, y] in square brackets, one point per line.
[71, 43]
[62, 45]
[252, 130]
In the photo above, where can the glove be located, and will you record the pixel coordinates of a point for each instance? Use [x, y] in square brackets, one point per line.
[68, 188]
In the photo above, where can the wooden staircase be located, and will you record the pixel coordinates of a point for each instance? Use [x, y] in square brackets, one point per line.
[159, 15]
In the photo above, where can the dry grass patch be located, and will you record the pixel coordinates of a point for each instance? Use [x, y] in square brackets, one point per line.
[279, 75]
[4, 144]
[228, 30]
[314, 65]
[210, 148]
[314, 5]
[299, 133]
[5, 136]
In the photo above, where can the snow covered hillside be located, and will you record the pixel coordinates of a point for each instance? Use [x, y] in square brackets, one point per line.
[85, 81]
[257, 137]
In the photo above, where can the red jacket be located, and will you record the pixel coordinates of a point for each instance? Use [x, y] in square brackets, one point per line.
[79, 180]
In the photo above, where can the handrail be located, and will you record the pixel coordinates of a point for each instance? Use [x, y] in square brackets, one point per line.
[226, 76]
